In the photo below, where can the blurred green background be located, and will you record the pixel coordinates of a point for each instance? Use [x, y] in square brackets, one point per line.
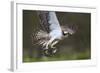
[75, 47]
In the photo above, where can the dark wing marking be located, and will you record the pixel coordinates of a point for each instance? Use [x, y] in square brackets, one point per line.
[43, 18]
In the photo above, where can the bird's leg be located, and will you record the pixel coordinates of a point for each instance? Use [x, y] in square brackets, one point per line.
[46, 46]
[49, 43]
[53, 44]
[54, 49]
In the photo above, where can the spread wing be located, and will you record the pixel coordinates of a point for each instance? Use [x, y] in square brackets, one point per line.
[48, 21]
[42, 35]
[53, 21]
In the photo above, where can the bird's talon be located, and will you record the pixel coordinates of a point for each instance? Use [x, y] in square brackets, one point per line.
[54, 51]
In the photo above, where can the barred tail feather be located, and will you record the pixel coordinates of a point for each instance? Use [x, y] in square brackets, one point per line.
[40, 37]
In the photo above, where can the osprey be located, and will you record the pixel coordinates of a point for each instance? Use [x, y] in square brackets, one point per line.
[52, 31]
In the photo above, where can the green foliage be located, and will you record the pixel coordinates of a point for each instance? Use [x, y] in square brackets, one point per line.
[71, 56]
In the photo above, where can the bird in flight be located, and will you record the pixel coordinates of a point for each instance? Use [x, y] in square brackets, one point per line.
[52, 31]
